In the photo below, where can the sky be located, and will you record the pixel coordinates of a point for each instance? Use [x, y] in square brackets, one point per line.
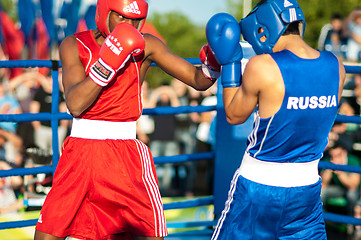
[198, 11]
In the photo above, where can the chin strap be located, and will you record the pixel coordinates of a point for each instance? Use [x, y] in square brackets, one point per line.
[99, 33]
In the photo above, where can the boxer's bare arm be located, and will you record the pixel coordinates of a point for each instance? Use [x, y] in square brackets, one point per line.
[262, 85]
[80, 91]
[342, 77]
[156, 51]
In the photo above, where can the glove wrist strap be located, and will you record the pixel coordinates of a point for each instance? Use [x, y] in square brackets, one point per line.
[101, 73]
[209, 73]
[231, 75]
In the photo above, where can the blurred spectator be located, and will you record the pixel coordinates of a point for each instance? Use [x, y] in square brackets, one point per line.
[4, 72]
[162, 139]
[185, 129]
[350, 105]
[204, 136]
[145, 123]
[23, 87]
[8, 105]
[185, 138]
[339, 133]
[205, 143]
[352, 94]
[332, 38]
[341, 184]
[348, 93]
[357, 214]
[352, 26]
[42, 103]
[11, 148]
[8, 185]
[347, 133]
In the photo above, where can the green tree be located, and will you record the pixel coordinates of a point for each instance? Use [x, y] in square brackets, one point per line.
[318, 13]
[9, 7]
[182, 37]
[235, 8]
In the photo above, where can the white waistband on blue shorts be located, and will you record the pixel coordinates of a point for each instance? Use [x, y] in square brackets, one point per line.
[96, 129]
[279, 174]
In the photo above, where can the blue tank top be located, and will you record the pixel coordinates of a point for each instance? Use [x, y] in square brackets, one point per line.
[298, 132]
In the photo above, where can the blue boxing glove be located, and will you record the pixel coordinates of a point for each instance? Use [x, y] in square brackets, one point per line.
[223, 35]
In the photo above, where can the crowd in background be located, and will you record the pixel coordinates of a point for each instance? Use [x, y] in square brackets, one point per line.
[342, 36]
[169, 135]
[341, 189]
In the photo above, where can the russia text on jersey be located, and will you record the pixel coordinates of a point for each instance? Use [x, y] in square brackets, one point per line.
[312, 102]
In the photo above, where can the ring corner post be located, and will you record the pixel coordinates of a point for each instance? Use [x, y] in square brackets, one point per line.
[55, 112]
[229, 149]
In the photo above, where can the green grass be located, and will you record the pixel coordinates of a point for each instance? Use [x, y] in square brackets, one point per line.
[202, 213]
[26, 233]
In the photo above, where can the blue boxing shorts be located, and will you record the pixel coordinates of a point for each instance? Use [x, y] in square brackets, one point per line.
[258, 211]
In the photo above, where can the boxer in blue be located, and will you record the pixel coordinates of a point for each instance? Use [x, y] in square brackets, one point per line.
[294, 91]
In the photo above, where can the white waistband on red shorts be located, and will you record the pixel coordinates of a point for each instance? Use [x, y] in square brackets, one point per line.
[279, 174]
[97, 129]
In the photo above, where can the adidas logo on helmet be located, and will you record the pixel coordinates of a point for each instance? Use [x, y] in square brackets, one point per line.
[287, 4]
[132, 8]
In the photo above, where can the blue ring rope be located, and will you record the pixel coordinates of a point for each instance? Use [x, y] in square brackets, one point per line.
[26, 117]
[345, 168]
[55, 116]
[182, 158]
[49, 63]
[352, 69]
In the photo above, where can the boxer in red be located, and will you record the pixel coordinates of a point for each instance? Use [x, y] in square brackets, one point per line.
[105, 185]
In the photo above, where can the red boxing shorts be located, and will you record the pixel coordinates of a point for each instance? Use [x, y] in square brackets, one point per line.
[103, 189]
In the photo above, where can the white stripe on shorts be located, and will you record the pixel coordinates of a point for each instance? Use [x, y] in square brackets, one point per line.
[151, 185]
[227, 205]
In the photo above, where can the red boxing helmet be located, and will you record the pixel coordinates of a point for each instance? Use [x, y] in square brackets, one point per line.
[137, 9]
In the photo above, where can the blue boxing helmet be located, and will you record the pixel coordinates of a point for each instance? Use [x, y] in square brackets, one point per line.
[273, 16]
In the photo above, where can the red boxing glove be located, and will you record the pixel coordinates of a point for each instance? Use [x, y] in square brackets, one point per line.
[210, 67]
[117, 48]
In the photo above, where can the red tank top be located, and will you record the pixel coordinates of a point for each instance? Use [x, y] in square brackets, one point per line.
[120, 101]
